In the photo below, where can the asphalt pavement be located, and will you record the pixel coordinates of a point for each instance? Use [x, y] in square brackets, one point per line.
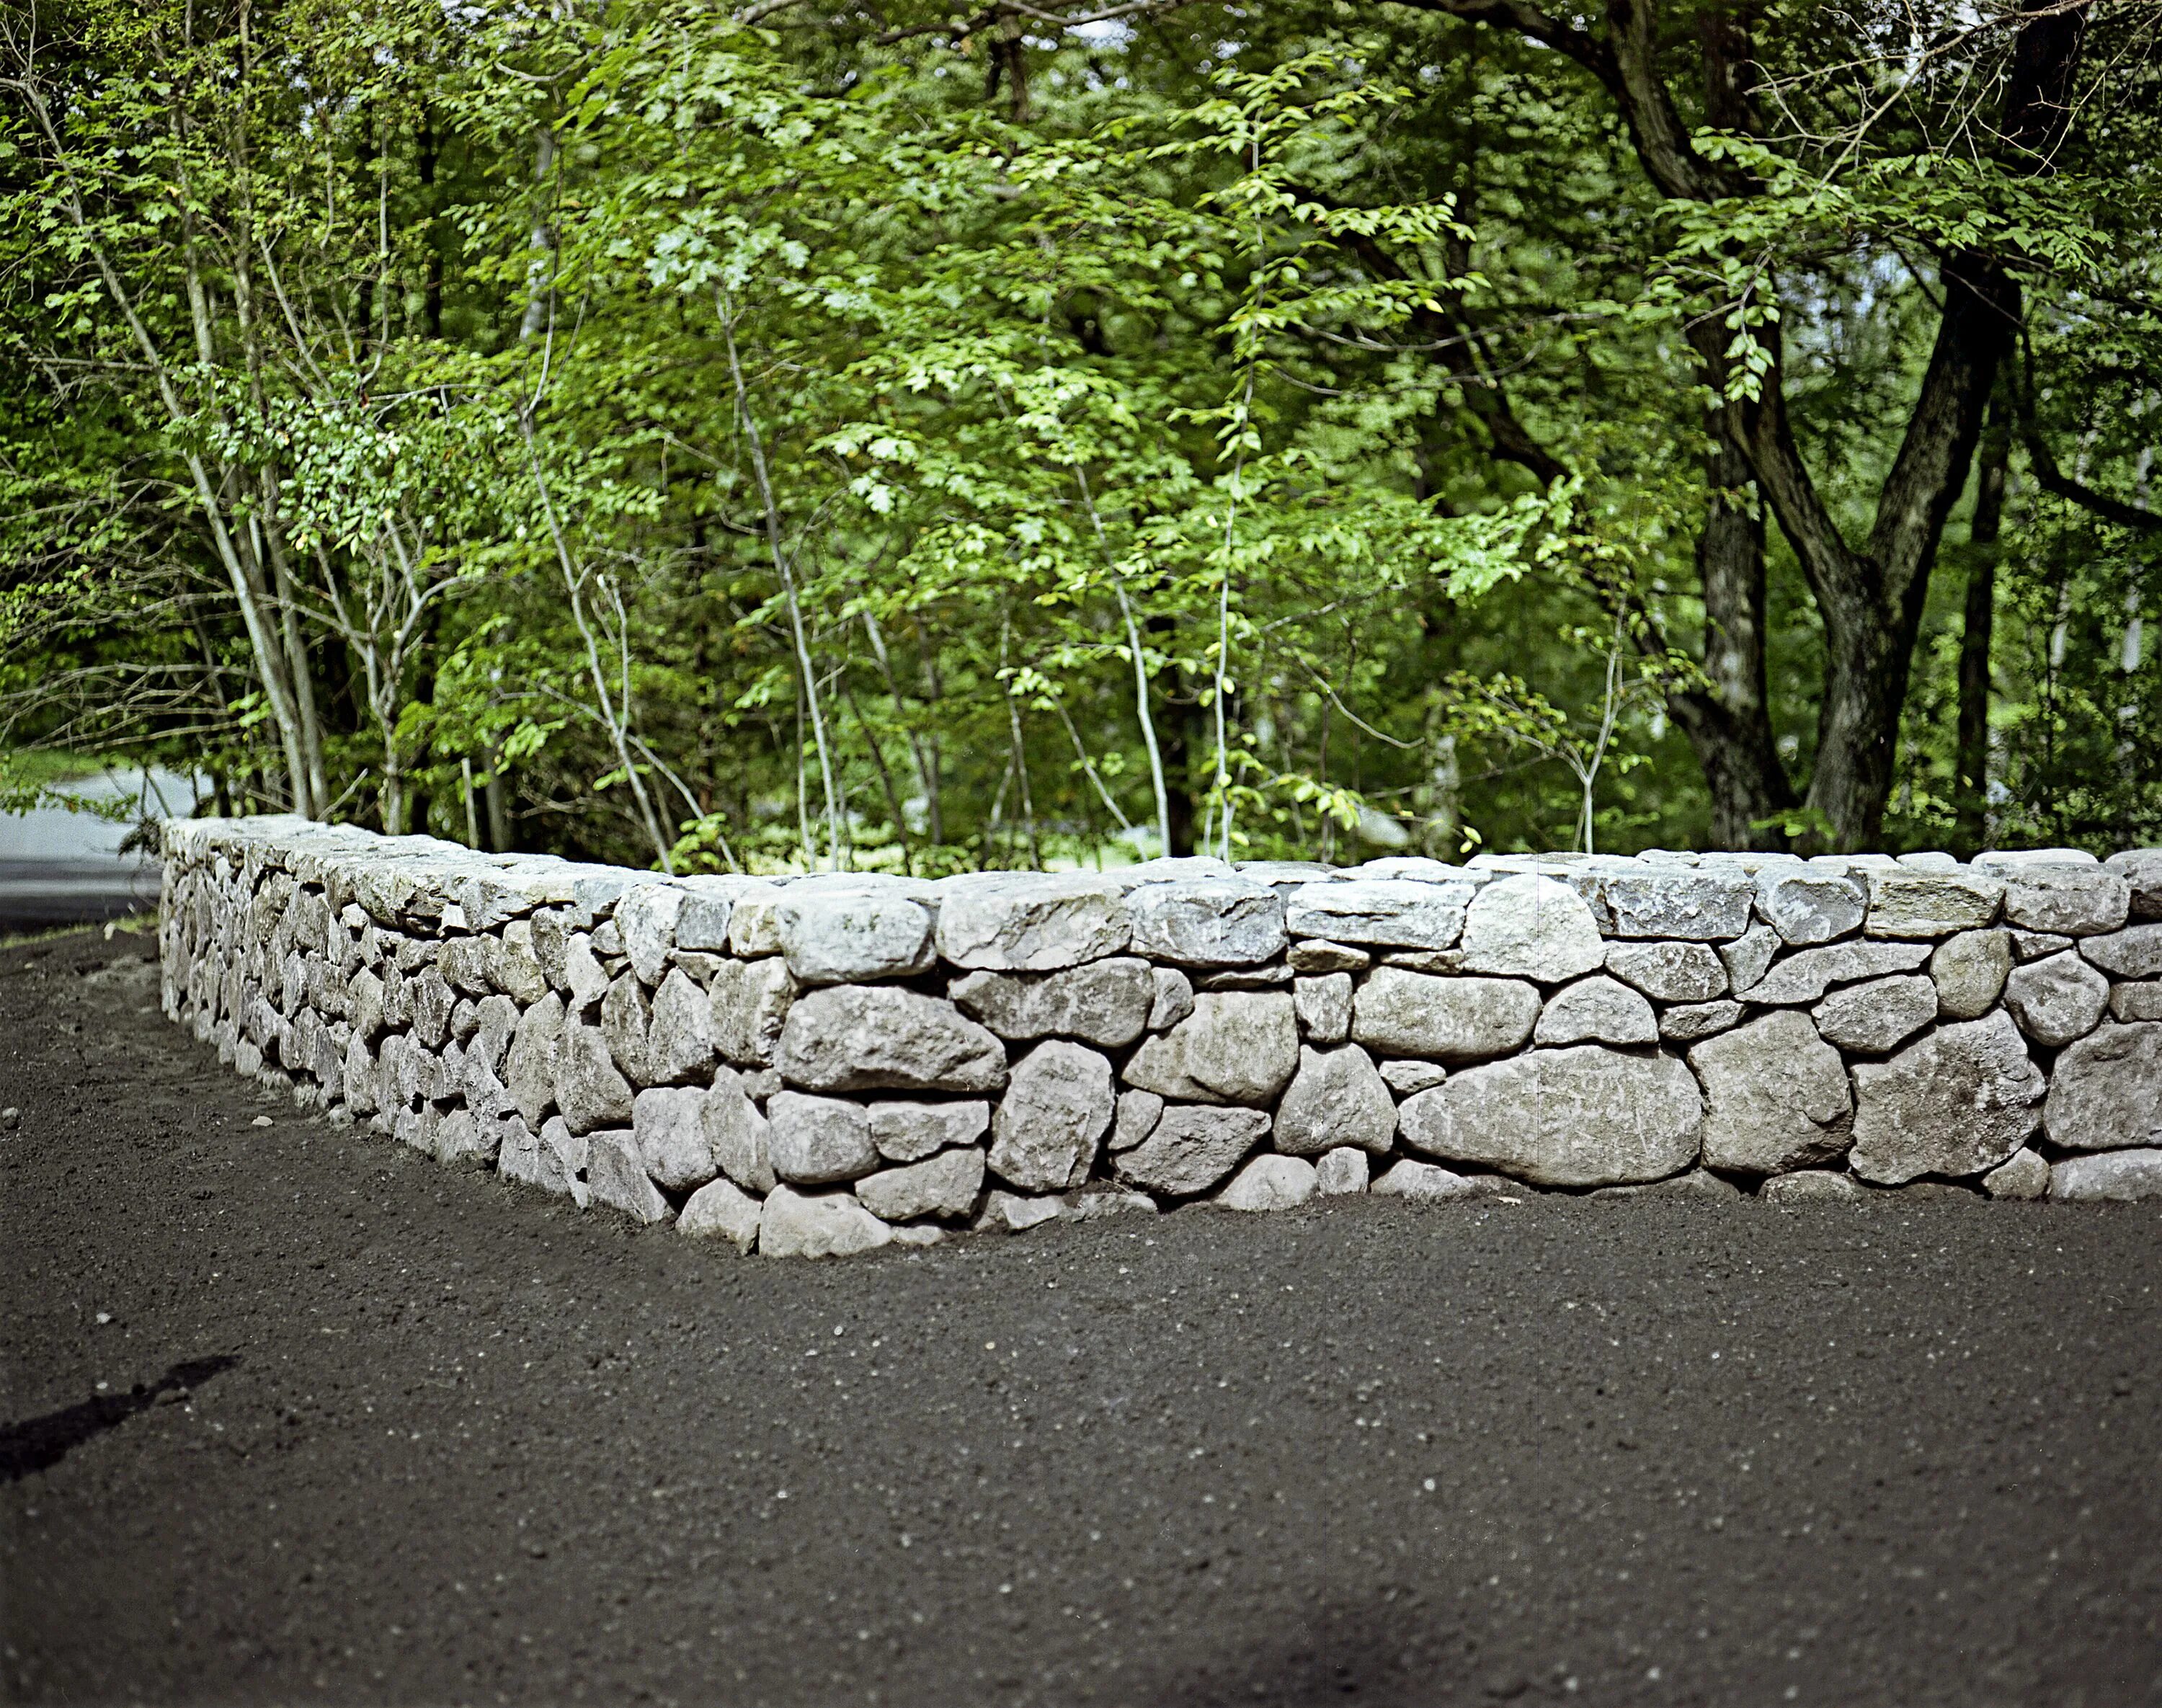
[289, 1413]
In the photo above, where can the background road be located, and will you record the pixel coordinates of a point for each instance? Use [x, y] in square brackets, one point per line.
[292, 1414]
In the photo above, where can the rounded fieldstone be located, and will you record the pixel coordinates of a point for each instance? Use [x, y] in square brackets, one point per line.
[1399, 1012]
[2058, 1000]
[1208, 921]
[2026, 1176]
[720, 1210]
[1595, 1011]
[819, 1140]
[1957, 1102]
[2119, 1176]
[1581, 1116]
[1030, 921]
[862, 1037]
[1671, 971]
[794, 1224]
[1876, 1018]
[1340, 1172]
[1776, 1096]
[1528, 925]
[1194, 1146]
[1335, 1099]
[2106, 1092]
[1106, 1002]
[1271, 1182]
[947, 1184]
[1058, 1107]
[1236, 1047]
[1969, 971]
[1808, 906]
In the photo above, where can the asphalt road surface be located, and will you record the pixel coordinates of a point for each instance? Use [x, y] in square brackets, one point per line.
[293, 1415]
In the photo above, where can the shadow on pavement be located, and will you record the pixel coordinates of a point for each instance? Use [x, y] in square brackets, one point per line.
[37, 1443]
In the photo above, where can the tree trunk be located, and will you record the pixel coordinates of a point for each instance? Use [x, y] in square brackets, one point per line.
[1730, 727]
[1971, 763]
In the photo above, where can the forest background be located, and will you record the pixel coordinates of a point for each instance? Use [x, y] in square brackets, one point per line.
[900, 436]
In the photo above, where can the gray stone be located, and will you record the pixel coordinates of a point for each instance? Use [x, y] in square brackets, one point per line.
[679, 1035]
[1806, 976]
[1812, 1186]
[1340, 1172]
[365, 1003]
[2129, 1002]
[1236, 1047]
[2141, 868]
[463, 962]
[495, 1025]
[1527, 926]
[1878, 1017]
[1699, 905]
[794, 1224]
[2026, 1176]
[908, 1132]
[433, 1000]
[1425, 1182]
[703, 920]
[1193, 1147]
[1969, 972]
[1030, 921]
[1320, 956]
[1806, 904]
[1389, 913]
[1749, 955]
[1776, 1096]
[1581, 1116]
[1335, 1099]
[513, 966]
[1016, 1213]
[1671, 971]
[2034, 945]
[670, 1127]
[1904, 902]
[1323, 1006]
[858, 1037]
[1278, 977]
[2106, 1092]
[1957, 1102]
[1409, 1079]
[1173, 999]
[584, 979]
[947, 1184]
[562, 1158]
[819, 1140]
[616, 1178]
[838, 936]
[589, 1091]
[720, 1210]
[1699, 1183]
[646, 918]
[359, 1077]
[2117, 1176]
[1595, 1011]
[2134, 953]
[2058, 1000]
[755, 922]
[1399, 1012]
[737, 1136]
[749, 1002]
[1208, 921]
[2075, 900]
[1271, 1182]
[467, 1140]
[1690, 1022]
[626, 1016]
[1057, 1108]
[1104, 1002]
[1138, 1114]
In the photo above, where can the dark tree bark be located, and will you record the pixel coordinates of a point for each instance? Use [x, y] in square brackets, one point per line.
[1970, 760]
[1870, 597]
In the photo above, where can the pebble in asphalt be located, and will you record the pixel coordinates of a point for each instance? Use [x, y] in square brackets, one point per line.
[291, 1414]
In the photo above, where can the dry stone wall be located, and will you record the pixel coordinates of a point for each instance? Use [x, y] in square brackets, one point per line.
[825, 1064]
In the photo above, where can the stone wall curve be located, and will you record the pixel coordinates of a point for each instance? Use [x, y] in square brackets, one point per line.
[832, 1063]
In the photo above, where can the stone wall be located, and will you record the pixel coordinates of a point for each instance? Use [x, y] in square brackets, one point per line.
[828, 1063]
